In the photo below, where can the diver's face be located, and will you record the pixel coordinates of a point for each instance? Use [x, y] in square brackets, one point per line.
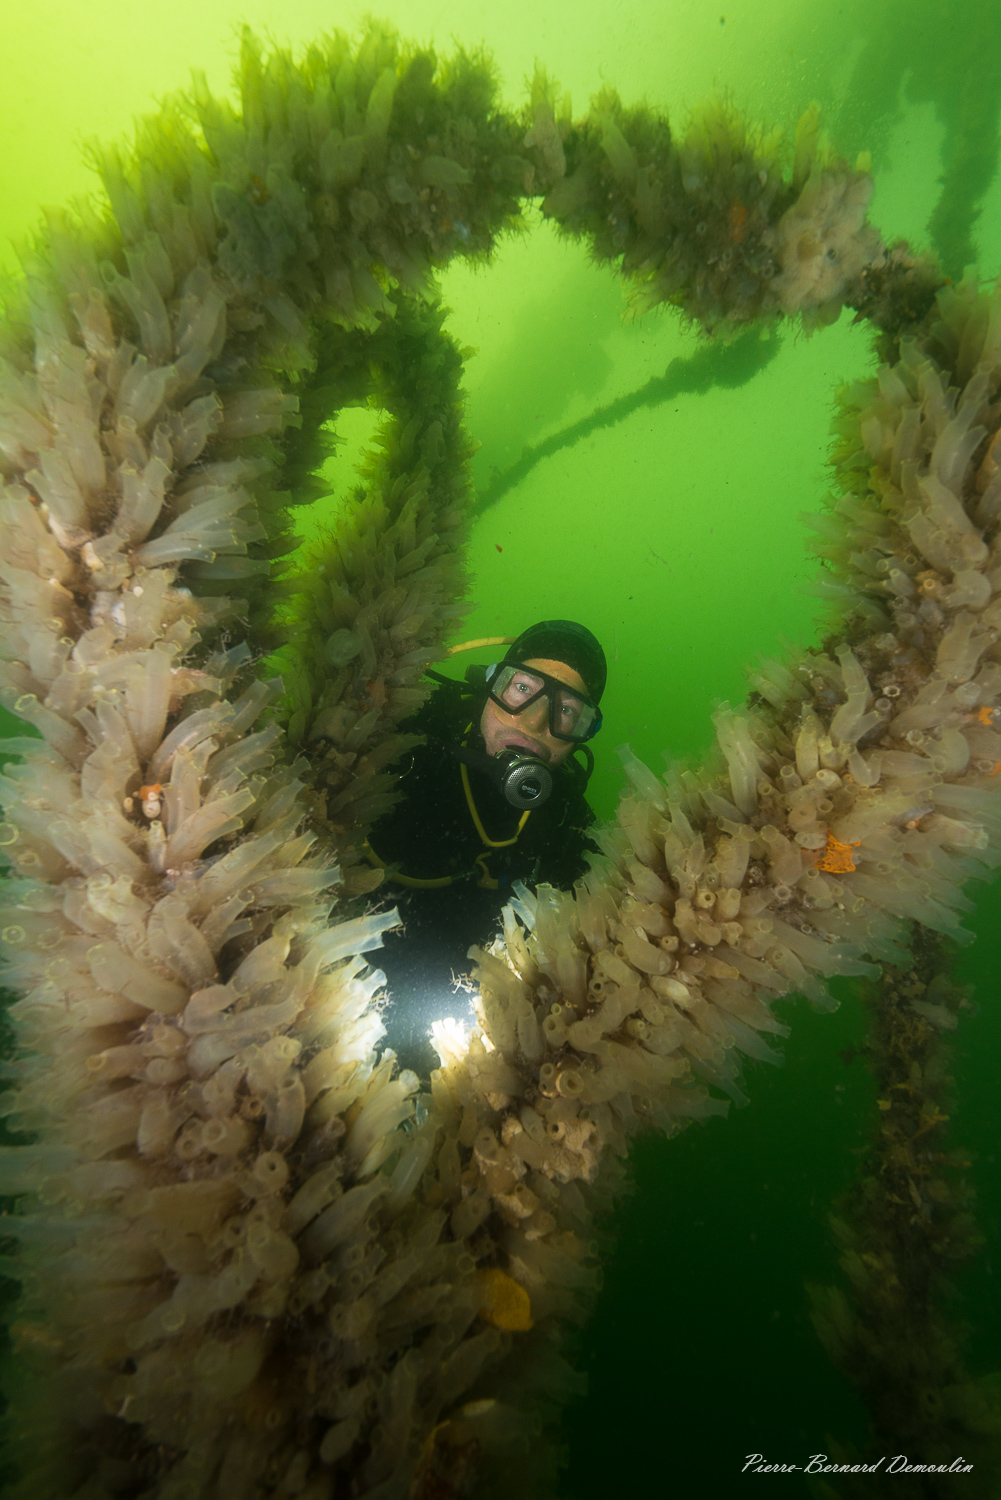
[529, 730]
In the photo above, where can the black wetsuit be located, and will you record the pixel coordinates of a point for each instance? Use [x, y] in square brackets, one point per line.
[431, 835]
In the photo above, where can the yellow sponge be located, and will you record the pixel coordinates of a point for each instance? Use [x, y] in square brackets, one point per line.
[505, 1302]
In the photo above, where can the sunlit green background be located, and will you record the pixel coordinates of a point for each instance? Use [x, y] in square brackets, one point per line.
[676, 537]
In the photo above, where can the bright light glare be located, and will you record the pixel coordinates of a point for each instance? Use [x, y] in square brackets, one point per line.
[450, 1039]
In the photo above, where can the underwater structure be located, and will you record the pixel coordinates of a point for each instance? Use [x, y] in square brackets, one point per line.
[256, 1259]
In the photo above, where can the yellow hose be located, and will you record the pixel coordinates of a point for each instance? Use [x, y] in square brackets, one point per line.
[486, 640]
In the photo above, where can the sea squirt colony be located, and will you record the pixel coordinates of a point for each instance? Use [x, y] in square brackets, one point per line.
[254, 1261]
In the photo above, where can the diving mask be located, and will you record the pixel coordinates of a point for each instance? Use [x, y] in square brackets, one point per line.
[514, 688]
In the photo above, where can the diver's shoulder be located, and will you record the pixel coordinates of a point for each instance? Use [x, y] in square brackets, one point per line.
[441, 712]
[570, 786]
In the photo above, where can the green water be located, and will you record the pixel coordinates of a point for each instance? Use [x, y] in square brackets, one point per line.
[675, 536]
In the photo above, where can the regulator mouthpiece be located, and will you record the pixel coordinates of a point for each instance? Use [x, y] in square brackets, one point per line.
[525, 781]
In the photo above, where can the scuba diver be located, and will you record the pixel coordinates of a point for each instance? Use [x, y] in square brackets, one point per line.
[494, 796]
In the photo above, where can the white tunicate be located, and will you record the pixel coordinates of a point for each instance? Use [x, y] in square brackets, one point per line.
[343, 646]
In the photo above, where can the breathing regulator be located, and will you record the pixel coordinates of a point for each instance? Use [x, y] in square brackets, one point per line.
[525, 780]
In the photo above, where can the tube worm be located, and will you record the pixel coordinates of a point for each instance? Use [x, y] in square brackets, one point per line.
[711, 221]
[904, 1227]
[865, 790]
[253, 1263]
[198, 1038]
[855, 801]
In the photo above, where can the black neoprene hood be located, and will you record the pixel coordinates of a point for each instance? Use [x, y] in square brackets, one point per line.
[567, 642]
